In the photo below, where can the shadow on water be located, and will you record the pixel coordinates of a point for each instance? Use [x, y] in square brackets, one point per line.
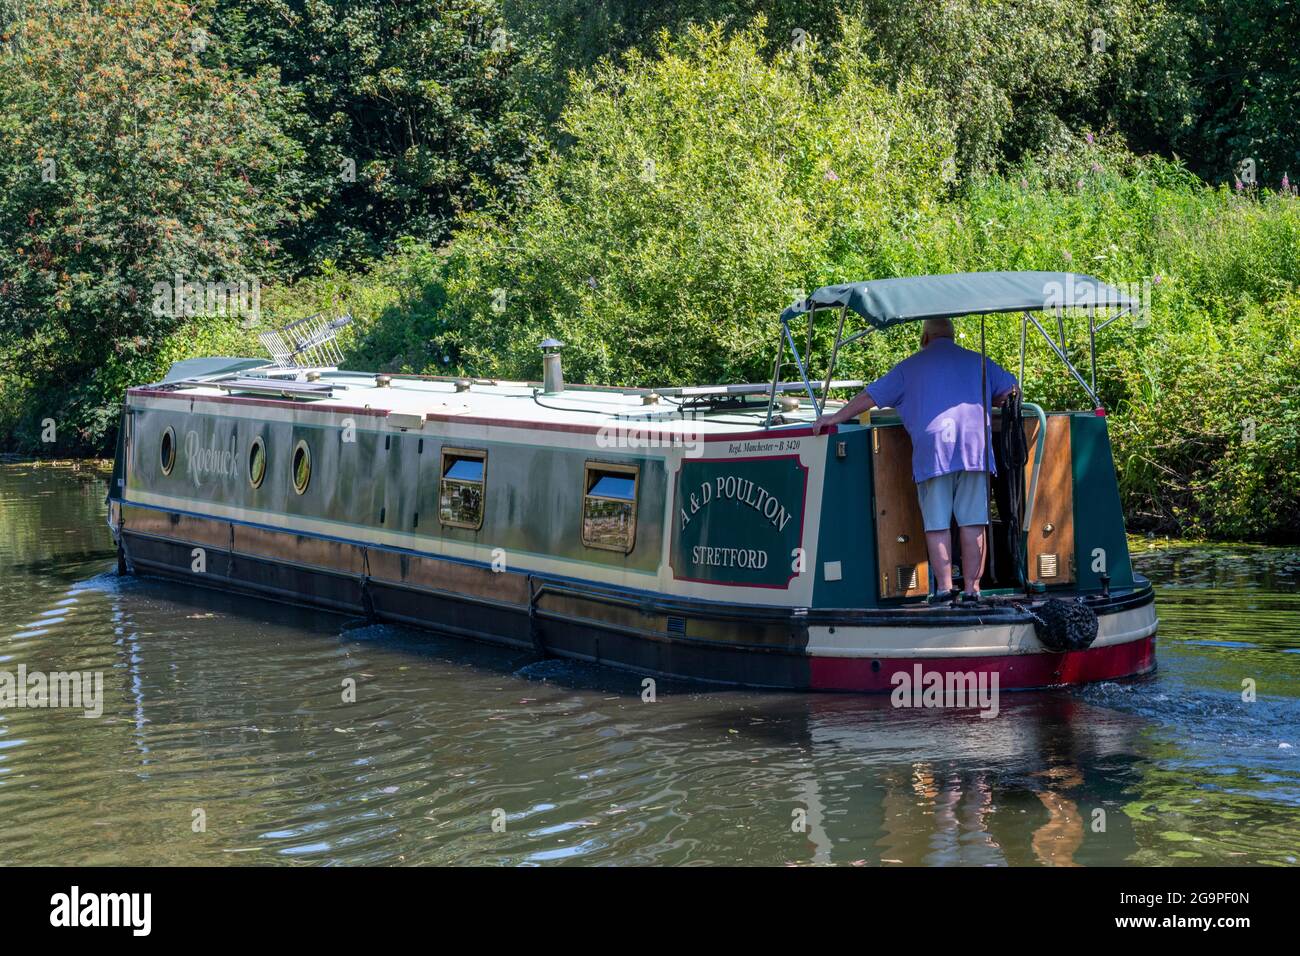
[301, 737]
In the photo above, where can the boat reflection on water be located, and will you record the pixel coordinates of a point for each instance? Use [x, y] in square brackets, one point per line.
[1036, 785]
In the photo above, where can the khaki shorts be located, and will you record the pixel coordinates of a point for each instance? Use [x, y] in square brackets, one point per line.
[960, 494]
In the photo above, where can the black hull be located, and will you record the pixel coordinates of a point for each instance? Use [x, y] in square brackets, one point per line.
[650, 635]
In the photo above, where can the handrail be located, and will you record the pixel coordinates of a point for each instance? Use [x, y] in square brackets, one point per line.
[1038, 463]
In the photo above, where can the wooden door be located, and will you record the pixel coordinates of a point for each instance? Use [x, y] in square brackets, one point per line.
[903, 569]
[1051, 527]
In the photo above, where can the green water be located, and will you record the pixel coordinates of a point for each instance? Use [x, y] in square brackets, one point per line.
[234, 708]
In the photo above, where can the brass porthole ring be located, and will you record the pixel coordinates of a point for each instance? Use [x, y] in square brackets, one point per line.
[301, 466]
[167, 450]
[256, 462]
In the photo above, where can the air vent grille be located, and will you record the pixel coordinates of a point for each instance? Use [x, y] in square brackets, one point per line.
[1048, 566]
[907, 577]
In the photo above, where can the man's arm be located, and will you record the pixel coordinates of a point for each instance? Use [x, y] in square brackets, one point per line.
[1007, 383]
[852, 409]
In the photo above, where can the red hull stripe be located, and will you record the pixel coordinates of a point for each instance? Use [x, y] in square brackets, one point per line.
[1015, 671]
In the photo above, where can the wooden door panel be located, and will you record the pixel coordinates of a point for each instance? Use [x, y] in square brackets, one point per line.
[903, 569]
[1051, 527]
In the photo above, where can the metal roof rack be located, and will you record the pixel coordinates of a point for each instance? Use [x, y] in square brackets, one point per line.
[747, 388]
[281, 389]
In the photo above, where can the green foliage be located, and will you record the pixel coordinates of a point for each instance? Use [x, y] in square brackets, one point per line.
[397, 305]
[126, 156]
[1013, 78]
[1221, 85]
[652, 183]
[700, 190]
[409, 117]
[674, 272]
[1021, 77]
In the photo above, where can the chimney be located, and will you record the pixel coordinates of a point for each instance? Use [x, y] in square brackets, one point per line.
[552, 374]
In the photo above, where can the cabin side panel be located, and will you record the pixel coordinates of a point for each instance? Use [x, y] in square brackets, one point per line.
[846, 553]
[1100, 539]
[357, 478]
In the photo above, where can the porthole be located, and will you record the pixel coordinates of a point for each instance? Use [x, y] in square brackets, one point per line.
[167, 450]
[256, 462]
[301, 467]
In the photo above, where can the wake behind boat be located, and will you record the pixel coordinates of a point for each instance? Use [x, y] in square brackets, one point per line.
[695, 532]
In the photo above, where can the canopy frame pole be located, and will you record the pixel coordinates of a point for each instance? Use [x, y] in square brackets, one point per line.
[1065, 359]
[986, 412]
[787, 338]
[803, 371]
[835, 352]
[1093, 329]
[1024, 328]
[808, 342]
[1128, 310]
[1092, 347]
[776, 381]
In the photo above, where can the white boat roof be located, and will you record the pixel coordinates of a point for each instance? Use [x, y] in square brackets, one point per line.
[506, 402]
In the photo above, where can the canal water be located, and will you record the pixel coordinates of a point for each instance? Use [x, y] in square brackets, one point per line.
[225, 737]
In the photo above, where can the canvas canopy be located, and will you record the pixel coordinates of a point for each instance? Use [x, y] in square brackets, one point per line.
[886, 302]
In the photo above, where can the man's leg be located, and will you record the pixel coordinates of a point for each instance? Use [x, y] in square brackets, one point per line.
[972, 556]
[935, 496]
[939, 544]
[971, 507]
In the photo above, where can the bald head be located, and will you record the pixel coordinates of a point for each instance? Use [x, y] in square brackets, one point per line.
[936, 329]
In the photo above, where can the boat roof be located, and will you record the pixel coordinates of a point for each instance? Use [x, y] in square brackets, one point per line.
[886, 302]
[707, 409]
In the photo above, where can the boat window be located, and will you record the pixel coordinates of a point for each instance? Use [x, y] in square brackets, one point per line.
[167, 450]
[460, 493]
[257, 462]
[301, 467]
[609, 506]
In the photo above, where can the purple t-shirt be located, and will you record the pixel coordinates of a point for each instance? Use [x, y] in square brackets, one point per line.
[937, 394]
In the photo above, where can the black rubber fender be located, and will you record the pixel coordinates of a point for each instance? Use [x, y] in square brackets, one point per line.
[1064, 625]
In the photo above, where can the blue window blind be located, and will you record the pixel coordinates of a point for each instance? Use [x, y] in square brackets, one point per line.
[614, 486]
[466, 469]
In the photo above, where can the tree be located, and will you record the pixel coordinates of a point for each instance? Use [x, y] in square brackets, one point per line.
[1016, 77]
[699, 190]
[409, 119]
[128, 155]
[1229, 91]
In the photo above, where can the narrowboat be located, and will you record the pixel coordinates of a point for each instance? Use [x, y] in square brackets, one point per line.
[695, 532]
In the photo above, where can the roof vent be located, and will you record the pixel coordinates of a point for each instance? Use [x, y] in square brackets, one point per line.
[552, 373]
[383, 381]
